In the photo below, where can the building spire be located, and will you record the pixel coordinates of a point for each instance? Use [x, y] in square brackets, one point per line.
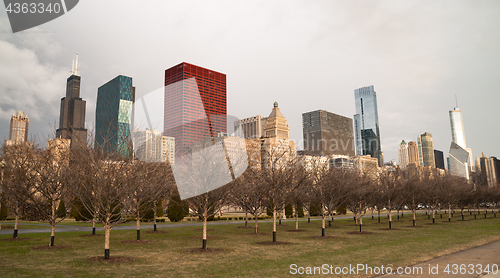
[74, 65]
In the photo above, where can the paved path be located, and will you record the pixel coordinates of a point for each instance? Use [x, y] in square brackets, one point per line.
[484, 255]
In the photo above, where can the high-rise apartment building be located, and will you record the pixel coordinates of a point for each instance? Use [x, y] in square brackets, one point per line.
[195, 105]
[326, 133]
[113, 116]
[19, 124]
[403, 155]
[426, 149]
[251, 128]
[413, 157]
[148, 145]
[439, 159]
[366, 125]
[72, 113]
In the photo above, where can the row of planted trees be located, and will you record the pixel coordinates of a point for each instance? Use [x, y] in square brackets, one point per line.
[114, 189]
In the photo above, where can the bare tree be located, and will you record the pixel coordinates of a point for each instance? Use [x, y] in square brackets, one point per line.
[410, 192]
[106, 186]
[52, 186]
[358, 195]
[389, 191]
[18, 179]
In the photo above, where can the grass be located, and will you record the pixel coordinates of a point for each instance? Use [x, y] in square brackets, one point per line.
[240, 254]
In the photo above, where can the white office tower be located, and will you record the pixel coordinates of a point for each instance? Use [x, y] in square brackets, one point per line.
[458, 135]
[458, 161]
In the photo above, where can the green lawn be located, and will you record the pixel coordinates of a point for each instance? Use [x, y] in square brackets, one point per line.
[240, 254]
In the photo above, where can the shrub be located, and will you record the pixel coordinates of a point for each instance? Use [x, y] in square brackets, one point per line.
[176, 210]
[79, 212]
[300, 209]
[315, 209]
[61, 210]
[342, 209]
[3, 212]
[289, 210]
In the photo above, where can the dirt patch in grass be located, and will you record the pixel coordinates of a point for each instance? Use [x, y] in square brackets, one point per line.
[111, 260]
[273, 243]
[324, 237]
[332, 226]
[16, 239]
[360, 233]
[202, 251]
[7, 227]
[91, 235]
[47, 247]
[299, 230]
[417, 226]
[387, 229]
[156, 232]
[247, 227]
[136, 242]
[208, 230]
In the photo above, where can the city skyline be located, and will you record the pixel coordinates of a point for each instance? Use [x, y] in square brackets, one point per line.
[396, 46]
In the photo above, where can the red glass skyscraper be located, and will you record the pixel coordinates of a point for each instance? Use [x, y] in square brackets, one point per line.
[195, 105]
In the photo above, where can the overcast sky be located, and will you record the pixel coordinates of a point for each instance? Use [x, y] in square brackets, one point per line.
[306, 55]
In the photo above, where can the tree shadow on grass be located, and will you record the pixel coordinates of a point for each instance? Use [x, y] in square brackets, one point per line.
[360, 233]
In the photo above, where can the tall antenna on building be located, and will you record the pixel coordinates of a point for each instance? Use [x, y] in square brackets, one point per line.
[72, 71]
[76, 64]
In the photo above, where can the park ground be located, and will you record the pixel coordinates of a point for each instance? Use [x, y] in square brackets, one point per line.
[235, 251]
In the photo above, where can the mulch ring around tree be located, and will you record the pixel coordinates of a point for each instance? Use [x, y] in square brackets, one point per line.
[91, 235]
[111, 260]
[16, 239]
[202, 251]
[299, 230]
[47, 247]
[332, 226]
[416, 226]
[258, 234]
[387, 229]
[247, 227]
[137, 242]
[273, 243]
[201, 229]
[360, 233]
[156, 232]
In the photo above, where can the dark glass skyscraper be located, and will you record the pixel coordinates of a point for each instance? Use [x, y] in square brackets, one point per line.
[326, 133]
[195, 105]
[366, 126]
[72, 113]
[113, 116]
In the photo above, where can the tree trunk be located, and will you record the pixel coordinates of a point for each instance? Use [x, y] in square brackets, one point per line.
[433, 216]
[322, 224]
[246, 219]
[390, 217]
[52, 234]
[274, 224]
[296, 220]
[154, 215]
[378, 215]
[93, 226]
[204, 244]
[107, 230]
[256, 222]
[449, 212]
[360, 221]
[16, 225]
[414, 217]
[138, 223]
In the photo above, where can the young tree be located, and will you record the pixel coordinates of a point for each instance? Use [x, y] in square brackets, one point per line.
[18, 178]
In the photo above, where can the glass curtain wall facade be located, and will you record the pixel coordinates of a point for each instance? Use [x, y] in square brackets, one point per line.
[366, 125]
[113, 116]
[195, 105]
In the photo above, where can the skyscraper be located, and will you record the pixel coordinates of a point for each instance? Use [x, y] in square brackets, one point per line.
[458, 133]
[195, 105]
[488, 171]
[18, 132]
[403, 155]
[72, 113]
[113, 116]
[326, 133]
[413, 157]
[252, 127]
[439, 159]
[458, 161]
[366, 124]
[148, 145]
[426, 149]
